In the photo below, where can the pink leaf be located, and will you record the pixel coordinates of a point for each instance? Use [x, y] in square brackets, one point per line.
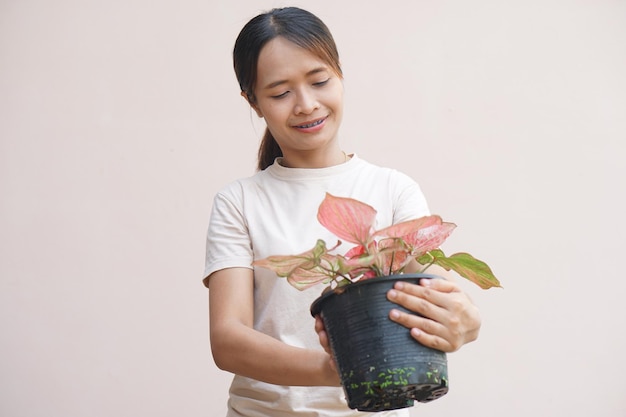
[283, 266]
[429, 238]
[355, 252]
[347, 218]
[305, 278]
[393, 256]
[358, 262]
[409, 226]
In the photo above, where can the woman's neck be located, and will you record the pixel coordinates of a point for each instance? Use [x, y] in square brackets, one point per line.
[314, 161]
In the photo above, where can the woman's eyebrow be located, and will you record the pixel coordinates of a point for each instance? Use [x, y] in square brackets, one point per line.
[308, 74]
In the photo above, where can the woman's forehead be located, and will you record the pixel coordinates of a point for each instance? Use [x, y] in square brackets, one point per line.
[281, 59]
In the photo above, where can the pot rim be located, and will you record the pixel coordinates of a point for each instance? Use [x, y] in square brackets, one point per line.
[316, 306]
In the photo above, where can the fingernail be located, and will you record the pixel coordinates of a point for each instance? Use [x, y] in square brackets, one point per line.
[394, 314]
[415, 332]
[399, 285]
[392, 294]
[425, 282]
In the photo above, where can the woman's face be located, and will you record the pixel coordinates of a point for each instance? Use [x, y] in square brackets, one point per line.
[301, 99]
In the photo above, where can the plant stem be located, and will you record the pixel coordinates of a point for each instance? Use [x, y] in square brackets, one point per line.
[393, 257]
[427, 266]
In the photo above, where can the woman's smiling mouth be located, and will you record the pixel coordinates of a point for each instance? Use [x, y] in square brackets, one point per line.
[311, 125]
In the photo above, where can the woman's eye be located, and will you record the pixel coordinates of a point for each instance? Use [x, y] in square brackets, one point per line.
[280, 95]
[321, 83]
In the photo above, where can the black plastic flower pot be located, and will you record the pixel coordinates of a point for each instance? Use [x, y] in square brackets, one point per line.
[381, 366]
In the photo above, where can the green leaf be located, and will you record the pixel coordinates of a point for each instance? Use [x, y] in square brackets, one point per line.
[468, 267]
[426, 258]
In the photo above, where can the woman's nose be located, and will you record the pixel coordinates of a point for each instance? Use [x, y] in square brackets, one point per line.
[306, 102]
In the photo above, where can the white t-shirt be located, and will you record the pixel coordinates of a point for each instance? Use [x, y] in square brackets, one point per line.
[274, 212]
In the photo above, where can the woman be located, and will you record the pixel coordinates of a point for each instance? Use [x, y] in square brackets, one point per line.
[288, 69]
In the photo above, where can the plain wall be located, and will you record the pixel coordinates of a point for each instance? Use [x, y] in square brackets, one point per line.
[119, 120]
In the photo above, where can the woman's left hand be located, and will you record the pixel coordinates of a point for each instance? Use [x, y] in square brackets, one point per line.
[446, 320]
[323, 337]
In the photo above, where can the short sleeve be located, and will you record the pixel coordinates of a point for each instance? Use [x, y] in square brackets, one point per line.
[228, 240]
[410, 201]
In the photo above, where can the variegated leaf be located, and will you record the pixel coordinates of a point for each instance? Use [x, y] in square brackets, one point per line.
[409, 227]
[347, 218]
[471, 268]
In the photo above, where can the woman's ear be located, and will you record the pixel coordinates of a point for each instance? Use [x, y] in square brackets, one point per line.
[250, 101]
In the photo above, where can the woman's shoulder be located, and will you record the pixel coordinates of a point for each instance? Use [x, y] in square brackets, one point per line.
[392, 174]
[242, 185]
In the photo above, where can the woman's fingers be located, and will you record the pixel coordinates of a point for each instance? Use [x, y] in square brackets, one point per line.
[426, 331]
[445, 317]
[323, 338]
[319, 324]
[420, 299]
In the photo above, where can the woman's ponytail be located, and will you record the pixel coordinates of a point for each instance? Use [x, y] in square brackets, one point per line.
[268, 151]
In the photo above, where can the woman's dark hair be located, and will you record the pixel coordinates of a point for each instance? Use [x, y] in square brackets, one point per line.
[296, 25]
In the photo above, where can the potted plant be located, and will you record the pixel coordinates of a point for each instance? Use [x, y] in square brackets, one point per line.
[380, 365]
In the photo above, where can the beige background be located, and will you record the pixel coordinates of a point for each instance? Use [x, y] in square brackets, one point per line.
[119, 120]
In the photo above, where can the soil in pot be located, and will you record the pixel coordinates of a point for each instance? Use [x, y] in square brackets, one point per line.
[381, 366]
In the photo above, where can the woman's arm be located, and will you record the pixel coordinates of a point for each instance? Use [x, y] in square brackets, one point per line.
[240, 349]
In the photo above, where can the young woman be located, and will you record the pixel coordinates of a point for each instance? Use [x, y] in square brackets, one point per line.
[288, 68]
